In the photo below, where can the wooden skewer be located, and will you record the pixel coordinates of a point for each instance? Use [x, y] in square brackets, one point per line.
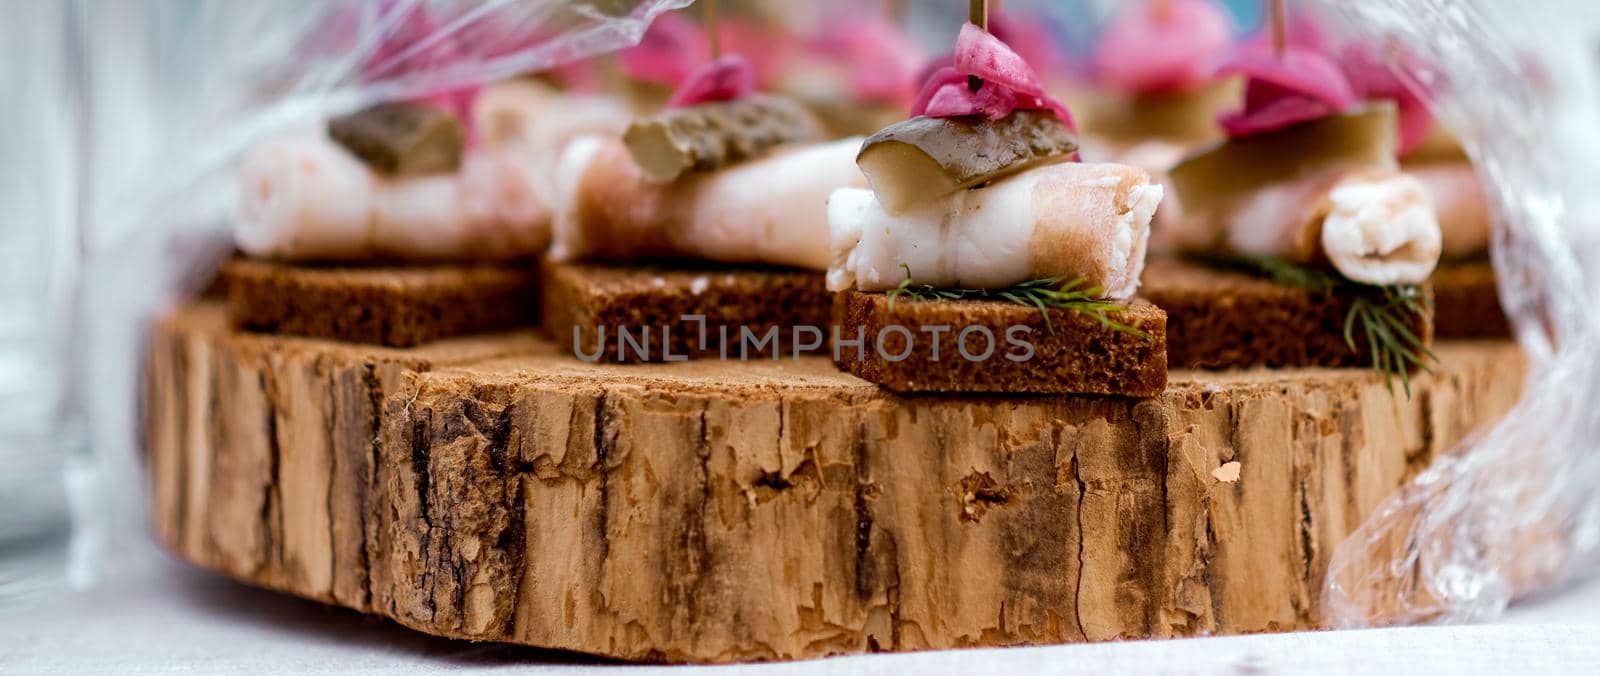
[1161, 9]
[1280, 28]
[978, 14]
[713, 31]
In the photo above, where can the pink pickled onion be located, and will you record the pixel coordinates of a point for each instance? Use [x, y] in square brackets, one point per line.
[1276, 114]
[995, 101]
[1152, 51]
[667, 53]
[980, 53]
[1008, 83]
[952, 101]
[1374, 79]
[934, 88]
[1299, 86]
[725, 79]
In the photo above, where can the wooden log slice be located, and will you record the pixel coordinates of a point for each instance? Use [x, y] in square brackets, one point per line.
[495, 488]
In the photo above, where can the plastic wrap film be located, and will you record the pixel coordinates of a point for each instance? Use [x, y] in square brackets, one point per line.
[170, 93]
[1512, 510]
[1508, 512]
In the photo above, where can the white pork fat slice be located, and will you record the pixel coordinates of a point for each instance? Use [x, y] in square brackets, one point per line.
[1382, 230]
[1460, 203]
[1067, 220]
[770, 210]
[307, 198]
[304, 197]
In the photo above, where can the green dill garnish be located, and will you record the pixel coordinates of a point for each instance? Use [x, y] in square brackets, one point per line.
[1377, 314]
[1049, 293]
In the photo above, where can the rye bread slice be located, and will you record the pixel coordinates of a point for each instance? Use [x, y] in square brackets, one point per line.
[616, 313]
[396, 306]
[978, 346]
[1222, 319]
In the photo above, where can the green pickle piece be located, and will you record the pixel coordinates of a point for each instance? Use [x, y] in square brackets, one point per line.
[401, 139]
[1215, 178]
[710, 136]
[925, 158]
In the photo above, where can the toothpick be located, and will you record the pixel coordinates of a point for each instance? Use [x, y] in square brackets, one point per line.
[1280, 28]
[978, 14]
[712, 29]
[1161, 9]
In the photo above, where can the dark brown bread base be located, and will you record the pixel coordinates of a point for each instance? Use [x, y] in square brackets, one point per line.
[1220, 319]
[397, 306]
[1467, 301]
[1011, 350]
[610, 313]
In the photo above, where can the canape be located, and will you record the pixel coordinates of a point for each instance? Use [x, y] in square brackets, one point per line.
[1466, 298]
[1305, 193]
[408, 221]
[725, 191]
[984, 256]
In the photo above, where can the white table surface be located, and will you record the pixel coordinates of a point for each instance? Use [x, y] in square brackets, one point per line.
[170, 618]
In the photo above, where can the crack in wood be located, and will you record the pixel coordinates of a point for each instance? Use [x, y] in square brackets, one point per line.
[863, 520]
[696, 544]
[978, 493]
[1307, 548]
[602, 453]
[368, 487]
[1417, 458]
[181, 476]
[1206, 556]
[214, 437]
[1077, 587]
[774, 480]
[421, 443]
[271, 527]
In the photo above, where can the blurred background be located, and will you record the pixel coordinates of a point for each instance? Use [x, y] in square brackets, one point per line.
[39, 251]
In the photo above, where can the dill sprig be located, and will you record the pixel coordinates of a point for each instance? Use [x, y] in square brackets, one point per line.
[1378, 314]
[1045, 294]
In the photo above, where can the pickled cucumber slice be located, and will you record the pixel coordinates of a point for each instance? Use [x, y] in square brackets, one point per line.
[922, 159]
[1212, 180]
[1186, 116]
[401, 139]
[710, 136]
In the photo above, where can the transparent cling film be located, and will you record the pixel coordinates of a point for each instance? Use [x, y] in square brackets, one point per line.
[188, 86]
[167, 95]
[1512, 509]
